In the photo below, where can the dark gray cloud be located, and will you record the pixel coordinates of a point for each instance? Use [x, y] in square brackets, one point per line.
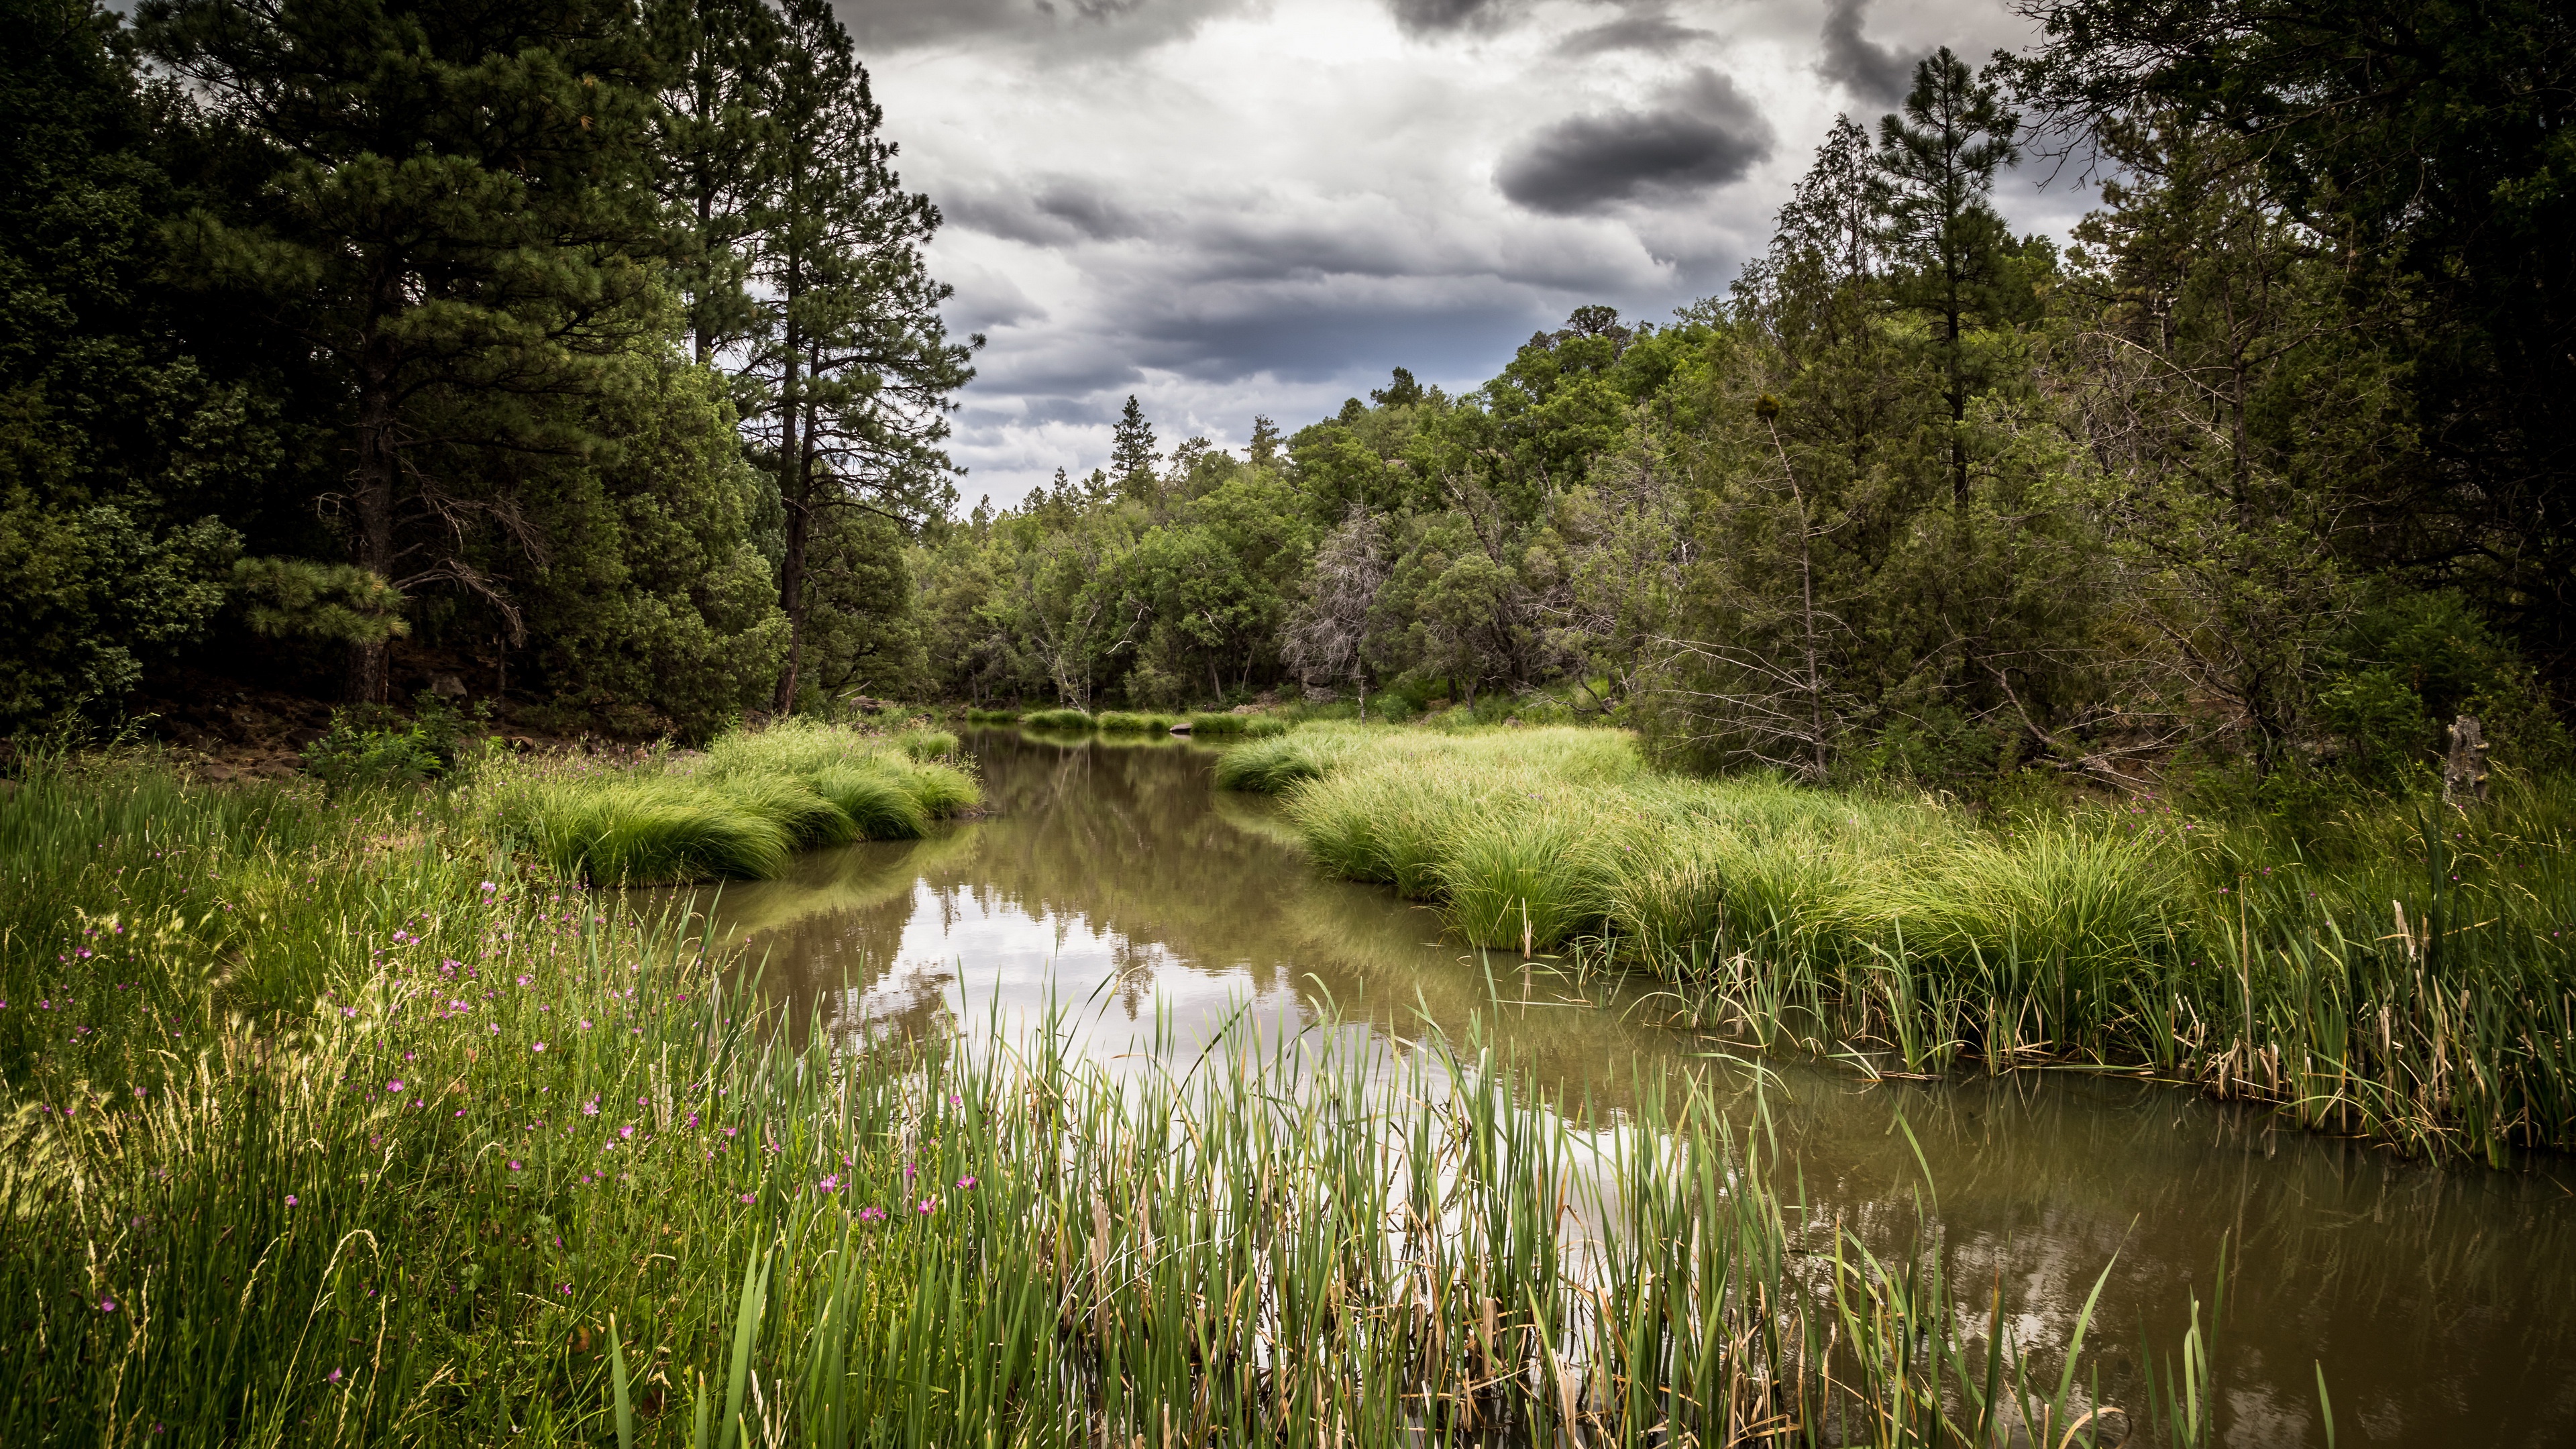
[1433, 17]
[1704, 134]
[1877, 74]
[1070, 28]
[1652, 31]
[1047, 211]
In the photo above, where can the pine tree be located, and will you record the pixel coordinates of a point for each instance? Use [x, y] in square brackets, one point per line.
[857, 364]
[717, 145]
[1131, 452]
[1263, 450]
[1936, 166]
[451, 219]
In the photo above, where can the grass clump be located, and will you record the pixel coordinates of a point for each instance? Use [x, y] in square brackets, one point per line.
[741, 811]
[1057, 719]
[927, 745]
[1248, 726]
[992, 716]
[1119, 721]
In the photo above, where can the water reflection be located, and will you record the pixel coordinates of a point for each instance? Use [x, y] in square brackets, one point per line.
[1109, 876]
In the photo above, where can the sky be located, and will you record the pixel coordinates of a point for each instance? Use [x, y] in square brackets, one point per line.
[1241, 207]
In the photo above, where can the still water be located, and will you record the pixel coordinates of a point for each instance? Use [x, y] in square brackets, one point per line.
[1113, 880]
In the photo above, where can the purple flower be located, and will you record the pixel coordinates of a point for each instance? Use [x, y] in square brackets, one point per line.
[290, 1199]
[929, 1205]
[335, 1376]
[107, 1305]
[514, 1164]
[830, 1184]
[395, 1085]
[540, 1046]
[749, 1198]
[967, 1181]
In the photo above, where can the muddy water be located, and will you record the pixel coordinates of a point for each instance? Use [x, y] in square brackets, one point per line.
[1111, 879]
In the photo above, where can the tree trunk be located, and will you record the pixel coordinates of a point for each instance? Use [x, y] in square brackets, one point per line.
[795, 481]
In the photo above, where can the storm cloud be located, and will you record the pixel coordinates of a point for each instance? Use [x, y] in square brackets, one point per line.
[1876, 75]
[1704, 134]
[1231, 207]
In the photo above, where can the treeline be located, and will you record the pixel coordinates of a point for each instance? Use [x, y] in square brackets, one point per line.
[2267, 469]
[582, 346]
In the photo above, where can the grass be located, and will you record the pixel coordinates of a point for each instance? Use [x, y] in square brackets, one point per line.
[1119, 721]
[441, 1153]
[741, 812]
[1057, 719]
[992, 716]
[1250, 726]
[2403, 972]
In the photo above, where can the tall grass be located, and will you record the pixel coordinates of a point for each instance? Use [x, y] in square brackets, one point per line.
[1119, 721]
[741, 811]
[2403, 973]
[1057, 719]
[1253, 726]
[497, 1162]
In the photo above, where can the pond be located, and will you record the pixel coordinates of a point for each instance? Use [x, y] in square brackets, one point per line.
[1110, 878]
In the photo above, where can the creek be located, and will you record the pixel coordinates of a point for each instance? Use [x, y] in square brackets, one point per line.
[1110, 878]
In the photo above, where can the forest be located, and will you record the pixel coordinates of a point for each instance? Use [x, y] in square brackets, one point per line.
[588, 355]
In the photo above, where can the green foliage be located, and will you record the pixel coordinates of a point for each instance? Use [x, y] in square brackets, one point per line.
[1057, 719]
[299, 598]
[369, 746]
[87, 596]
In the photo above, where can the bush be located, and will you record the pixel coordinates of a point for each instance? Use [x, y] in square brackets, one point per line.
[369, 746]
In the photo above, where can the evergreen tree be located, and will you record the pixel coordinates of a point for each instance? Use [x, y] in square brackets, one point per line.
[856, 364]
[1131, 452]
[1263, 450]
[716, 148]
[1936, 166]
[451, 218]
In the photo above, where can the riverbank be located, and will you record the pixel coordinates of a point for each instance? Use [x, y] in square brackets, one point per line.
[340, 1118]
[2370, 976]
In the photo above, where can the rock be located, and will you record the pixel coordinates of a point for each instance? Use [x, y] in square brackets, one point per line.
[447, 686]
[1182, 728]
[2464, 773]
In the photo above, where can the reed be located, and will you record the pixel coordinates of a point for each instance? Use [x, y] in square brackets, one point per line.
[510, 1162]
[2403, 972]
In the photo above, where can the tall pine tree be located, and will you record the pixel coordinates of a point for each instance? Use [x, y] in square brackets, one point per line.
[452, 219]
